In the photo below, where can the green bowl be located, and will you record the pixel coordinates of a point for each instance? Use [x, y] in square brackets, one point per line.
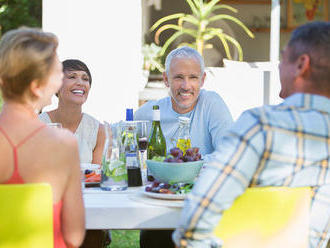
[166, 172]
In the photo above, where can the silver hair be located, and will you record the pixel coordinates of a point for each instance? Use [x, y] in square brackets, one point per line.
[184, 52]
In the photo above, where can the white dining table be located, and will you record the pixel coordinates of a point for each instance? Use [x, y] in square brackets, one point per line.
[128, 209]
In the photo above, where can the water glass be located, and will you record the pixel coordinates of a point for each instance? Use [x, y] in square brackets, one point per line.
[82, 178]
[114, 172]
[54, 124]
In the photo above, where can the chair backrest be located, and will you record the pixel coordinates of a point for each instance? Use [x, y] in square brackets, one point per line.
[26, 216]
[267, 217]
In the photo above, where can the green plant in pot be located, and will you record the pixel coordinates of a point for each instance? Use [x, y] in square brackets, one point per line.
[201, 26]
[151, 58]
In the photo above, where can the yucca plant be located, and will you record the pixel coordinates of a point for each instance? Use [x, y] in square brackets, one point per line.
[202, 17]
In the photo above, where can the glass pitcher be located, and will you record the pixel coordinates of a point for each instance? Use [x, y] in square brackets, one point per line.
[114, 172]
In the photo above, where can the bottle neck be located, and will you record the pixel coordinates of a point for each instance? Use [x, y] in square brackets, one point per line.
[184, 131]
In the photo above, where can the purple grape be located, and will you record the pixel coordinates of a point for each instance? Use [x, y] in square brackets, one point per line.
[189, 158]
[195, 150]
[155, 184]
[148, 189]
[175, 151]
[155, 190]
[189, 152]
[180, 155]
[164, 186]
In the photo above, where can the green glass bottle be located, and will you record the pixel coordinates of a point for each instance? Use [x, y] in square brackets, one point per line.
[157, 142]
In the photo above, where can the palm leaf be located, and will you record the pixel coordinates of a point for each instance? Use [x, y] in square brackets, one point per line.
[198, 3]
[169, 41]
[193, 7]
[225, 45]
[188, 18]
[224, 6]
[208, 7]
[236, 44]
[175, 27]
[211, 32]
[233, 19]
[166, 18]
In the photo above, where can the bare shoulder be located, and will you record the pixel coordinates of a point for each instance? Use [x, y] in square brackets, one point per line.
[60, 137]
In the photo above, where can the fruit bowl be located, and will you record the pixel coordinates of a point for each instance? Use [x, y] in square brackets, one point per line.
[166, 172]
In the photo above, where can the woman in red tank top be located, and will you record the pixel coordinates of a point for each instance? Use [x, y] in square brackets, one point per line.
[31, 152]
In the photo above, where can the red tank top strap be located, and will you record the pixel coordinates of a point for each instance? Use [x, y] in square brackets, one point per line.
[30, 135]
[16, 178]
[7, 137]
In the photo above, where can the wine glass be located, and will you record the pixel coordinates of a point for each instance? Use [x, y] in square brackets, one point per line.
[143, 136]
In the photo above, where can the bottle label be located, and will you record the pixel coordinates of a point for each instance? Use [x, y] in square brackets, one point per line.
[131, 160]
[156, 115]
[183, 144]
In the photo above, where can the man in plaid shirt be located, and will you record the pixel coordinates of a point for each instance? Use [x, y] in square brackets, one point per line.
[283, 145]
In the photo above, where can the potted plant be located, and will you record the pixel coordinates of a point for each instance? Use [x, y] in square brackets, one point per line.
[200, 25]
[151, 58]
[152, 62]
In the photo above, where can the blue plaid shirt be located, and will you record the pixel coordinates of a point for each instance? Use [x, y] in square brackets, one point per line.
[282, 145]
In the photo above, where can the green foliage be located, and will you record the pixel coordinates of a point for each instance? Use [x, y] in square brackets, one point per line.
[204, 14]
[152, 58]
[16, 13]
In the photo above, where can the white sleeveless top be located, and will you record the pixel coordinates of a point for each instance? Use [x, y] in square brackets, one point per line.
[86, 135]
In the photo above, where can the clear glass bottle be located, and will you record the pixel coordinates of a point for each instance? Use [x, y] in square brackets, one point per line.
[132, 156]
[157, 142]
[114, 172]
[184, 138]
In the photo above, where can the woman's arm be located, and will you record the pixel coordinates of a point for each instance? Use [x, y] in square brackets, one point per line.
[98, 150]
[73, 213]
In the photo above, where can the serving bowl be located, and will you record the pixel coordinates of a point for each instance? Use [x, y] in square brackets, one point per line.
[166, 172]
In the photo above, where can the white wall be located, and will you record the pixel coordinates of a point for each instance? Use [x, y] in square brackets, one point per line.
[106, 35]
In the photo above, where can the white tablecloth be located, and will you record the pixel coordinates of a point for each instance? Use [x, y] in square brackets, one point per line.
[122, 210]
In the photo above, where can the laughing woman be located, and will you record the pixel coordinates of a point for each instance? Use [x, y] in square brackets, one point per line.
[72, 95]
[89, 132]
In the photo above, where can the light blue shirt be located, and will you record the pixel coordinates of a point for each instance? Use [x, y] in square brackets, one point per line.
[282, 145]
[209, 120]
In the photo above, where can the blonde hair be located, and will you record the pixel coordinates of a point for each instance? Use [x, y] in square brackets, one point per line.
[26, 54]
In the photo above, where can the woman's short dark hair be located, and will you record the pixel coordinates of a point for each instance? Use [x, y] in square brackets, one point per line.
[76, 65]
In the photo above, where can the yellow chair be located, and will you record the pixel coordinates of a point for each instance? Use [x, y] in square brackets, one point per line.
[267, 217]
[26, 216]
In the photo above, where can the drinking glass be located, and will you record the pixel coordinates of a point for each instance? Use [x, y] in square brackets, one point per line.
[114, 172]
[143, 136]
[54, 124]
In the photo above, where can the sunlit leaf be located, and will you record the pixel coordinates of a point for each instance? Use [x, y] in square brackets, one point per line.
[233, 19]
[225, 45]
[188, 18]
[169, 41]
[224, 6]
[236, 44]
[193, 8]
[188, 31]
[166, 18]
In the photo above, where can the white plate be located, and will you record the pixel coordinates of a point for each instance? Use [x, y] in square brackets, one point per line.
[165, 196]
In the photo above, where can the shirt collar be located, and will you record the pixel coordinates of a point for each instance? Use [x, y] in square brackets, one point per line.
[309, 101]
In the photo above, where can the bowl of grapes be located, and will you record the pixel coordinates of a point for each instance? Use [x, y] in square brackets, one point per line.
[178, 167]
